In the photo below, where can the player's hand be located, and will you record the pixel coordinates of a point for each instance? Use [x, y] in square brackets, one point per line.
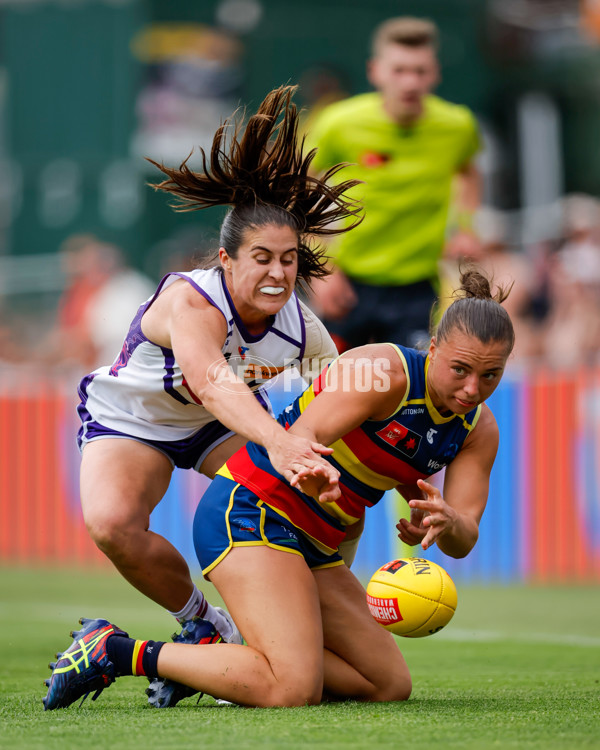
[411, 532]
[289, 453]
[320, 482]
[430, 518]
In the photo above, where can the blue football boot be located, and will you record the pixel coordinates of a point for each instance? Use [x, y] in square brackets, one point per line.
[163, 693]
[84, 667]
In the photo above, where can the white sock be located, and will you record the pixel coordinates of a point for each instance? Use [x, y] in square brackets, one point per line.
[197, 605]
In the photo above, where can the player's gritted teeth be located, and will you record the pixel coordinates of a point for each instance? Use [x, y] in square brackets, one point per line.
[272, 290]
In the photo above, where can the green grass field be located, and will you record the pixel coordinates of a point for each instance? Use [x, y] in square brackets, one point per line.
[516, 668]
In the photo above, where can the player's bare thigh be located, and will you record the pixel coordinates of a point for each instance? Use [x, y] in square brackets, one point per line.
[123, 480]
[350, 631]
[273, 599]
[223, 452]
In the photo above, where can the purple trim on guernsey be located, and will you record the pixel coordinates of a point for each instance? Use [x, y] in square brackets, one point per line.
[168, 377]
[303, 330]
[135, 335]
[188, 453]
[300, 344]
[82, 411]
[152, 300]
[238, 321]
[201, 291]
[271, 327]
[168, 353]
[263, 400]
[134, 338]
[285, 337]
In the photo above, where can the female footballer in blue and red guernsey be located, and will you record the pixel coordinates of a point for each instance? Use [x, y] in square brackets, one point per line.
[393, 416]
[410, 444]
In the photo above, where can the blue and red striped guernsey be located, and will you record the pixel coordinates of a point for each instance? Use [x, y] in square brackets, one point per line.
[414, 442]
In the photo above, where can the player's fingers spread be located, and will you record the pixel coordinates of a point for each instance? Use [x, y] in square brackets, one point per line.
[428, 540]
[430, 489]
[435, 519]
[422, 505]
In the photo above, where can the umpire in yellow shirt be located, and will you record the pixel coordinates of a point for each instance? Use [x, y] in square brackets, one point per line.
[406, 146]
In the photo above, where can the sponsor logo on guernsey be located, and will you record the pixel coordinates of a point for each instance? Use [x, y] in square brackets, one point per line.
[434, 465]
[242, 351]
[254, 372]
[261, 371]
[413, 410]
[401, 438]
[430, 433]
[385, 611]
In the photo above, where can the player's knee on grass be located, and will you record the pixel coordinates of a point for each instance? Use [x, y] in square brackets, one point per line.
[295, 688]
[397, 688]
[386, 679]
[288, 696]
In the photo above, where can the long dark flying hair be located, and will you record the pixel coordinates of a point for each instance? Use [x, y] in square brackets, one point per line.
[261, 171]
[477, 311]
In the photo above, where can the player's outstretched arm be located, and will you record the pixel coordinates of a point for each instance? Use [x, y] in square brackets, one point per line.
[365, 383]
[452, 520]
[217, 387]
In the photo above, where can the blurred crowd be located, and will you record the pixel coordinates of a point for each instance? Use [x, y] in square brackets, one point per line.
[100, 296]
[554, 301]
[555, 298]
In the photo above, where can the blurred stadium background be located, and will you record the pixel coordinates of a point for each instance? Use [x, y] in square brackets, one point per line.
[90, 87]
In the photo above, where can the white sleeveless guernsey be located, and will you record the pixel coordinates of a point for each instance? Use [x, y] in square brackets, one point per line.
[144, 393]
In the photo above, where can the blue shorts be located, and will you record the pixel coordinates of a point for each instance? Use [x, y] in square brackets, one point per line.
[230, 515]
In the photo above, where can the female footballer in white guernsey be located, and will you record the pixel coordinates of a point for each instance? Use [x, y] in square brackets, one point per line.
[393, 416]
[186, 388]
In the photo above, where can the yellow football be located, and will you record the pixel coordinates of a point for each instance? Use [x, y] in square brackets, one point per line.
[412, 597]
